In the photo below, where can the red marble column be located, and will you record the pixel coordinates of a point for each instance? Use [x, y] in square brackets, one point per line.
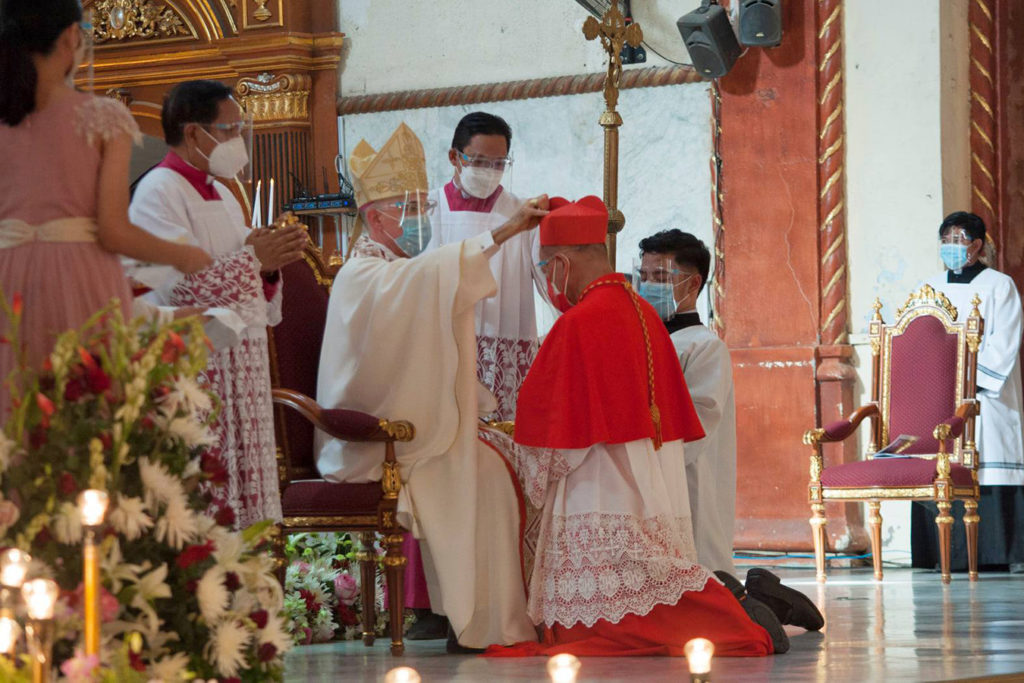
[785, 297]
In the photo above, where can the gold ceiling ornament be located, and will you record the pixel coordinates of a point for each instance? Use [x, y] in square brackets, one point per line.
[927, 295]
[282, 97]
[136, 20]
[613, 32]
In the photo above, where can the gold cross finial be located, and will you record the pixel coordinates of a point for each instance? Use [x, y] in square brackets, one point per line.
[614, 33]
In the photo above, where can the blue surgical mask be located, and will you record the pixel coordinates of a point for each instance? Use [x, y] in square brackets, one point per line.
[661, 296]
[415, 235]
[953, 255]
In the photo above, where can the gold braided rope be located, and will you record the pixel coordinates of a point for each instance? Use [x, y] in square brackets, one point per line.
[652, 405]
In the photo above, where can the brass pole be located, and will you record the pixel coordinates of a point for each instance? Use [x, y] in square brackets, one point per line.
[613, 32]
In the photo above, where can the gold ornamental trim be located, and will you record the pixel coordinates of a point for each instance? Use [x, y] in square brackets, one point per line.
[882, 492]
[929, 296]
[342, 522]
[276, 98]
[137, 20]
[399, 430]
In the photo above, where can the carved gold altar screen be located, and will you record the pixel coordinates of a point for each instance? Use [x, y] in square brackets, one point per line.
[280, 57]
[613, 33]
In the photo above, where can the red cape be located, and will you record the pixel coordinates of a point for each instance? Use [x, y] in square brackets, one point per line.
[588, 384]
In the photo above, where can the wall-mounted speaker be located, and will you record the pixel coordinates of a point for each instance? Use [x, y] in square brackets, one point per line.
[710, 40]
[760, 23]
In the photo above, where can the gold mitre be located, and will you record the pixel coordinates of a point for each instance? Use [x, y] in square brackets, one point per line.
[398, 167]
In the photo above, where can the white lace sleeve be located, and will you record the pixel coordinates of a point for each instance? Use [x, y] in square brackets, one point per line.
[100, 119]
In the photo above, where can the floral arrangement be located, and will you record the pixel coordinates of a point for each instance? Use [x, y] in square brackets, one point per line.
[322, 599]
[116, 406]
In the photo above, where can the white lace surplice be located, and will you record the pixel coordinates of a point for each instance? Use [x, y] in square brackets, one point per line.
[615, 533]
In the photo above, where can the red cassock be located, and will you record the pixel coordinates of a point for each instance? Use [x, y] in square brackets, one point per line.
[589, 385]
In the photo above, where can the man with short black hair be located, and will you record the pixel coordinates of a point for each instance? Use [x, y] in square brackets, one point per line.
[999, 433]
[181, 200]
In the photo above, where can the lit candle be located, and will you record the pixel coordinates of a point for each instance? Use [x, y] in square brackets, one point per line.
[699, 652]
[270, 204]
[403, 674]
[257, 206]
[563, 668]
[92, 504]
[13, 567]
[40, 597]
[8, 635]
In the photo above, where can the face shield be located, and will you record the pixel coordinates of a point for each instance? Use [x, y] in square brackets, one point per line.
[656, 277]
[407, 223]
[82, 74]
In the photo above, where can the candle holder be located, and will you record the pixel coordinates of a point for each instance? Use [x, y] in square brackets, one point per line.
[402, 674]
[40, 598]
[92, 504]
[14, 565]
[563, 668]
[699, 652]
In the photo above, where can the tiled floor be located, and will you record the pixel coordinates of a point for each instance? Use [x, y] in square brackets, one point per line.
[908, 628]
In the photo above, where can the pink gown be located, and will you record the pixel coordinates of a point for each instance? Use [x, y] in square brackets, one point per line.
[49, 168]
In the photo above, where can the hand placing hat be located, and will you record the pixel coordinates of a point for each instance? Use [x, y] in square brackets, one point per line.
[526, 218]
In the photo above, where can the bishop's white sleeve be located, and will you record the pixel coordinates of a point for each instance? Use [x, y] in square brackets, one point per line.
[476, 281]
[1000, 346]
[708, 373]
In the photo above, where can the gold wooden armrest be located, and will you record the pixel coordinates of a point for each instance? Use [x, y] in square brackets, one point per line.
[813, 437]
[968, 409]
[348, 425]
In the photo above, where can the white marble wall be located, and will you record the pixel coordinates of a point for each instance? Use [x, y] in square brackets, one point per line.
[665, 144]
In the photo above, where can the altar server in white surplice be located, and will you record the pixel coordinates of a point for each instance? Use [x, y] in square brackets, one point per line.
[180, 201]
[399, 343]
[472, 203]
[1000, 437]
[674, 268]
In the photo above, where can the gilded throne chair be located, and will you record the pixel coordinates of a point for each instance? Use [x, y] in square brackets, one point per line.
[310, 503]
[923, 385]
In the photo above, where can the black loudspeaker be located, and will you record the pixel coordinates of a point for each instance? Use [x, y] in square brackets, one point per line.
[760, 22]
[710, 41]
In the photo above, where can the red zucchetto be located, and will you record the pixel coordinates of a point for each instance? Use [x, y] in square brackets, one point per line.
[570, 223]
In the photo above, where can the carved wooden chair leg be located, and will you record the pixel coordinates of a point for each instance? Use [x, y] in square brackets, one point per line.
[368, 586]
[818, 529]
[875, 520]
[394, 568]
[944, 520]
[971, 520]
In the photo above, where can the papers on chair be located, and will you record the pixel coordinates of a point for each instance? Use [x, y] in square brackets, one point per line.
[897, 446]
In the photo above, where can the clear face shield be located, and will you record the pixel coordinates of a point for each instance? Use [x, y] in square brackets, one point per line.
[656, 278]
[411, 231]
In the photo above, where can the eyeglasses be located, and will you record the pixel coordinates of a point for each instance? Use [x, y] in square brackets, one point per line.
[478, 161]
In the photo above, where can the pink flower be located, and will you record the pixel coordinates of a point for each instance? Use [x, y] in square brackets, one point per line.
[79, 668]
[109, 606]
[345, 588]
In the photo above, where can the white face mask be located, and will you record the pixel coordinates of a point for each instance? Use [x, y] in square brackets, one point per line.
[479, 182]
[227, 158]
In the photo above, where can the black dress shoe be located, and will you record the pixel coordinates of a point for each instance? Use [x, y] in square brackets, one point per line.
[428, 626]
[790, 605]
[759, 613]
[452, 647]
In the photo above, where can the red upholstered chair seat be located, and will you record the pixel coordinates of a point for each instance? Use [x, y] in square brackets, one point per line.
[325, 498]
[894, 472]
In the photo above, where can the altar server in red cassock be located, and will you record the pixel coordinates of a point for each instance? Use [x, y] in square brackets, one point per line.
[600, 424]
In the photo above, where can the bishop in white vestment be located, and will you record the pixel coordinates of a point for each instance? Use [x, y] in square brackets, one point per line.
[399, 343]
[999, 432]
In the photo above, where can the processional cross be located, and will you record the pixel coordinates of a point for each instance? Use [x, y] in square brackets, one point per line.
[614, 32]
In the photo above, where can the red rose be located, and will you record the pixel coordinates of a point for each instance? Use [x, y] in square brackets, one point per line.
[225, 517]
[97, 380]
[260, 618]
[311, 602]
[194, 553]
[135, 661]
[214, 469]
[267, 652]
[346, 615]
[231, 582]
[43, 537]
[67, 484]
[74, 390]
